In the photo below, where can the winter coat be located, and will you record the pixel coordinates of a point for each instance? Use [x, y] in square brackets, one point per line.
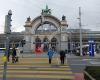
[62, 54]
[14, 52]
[50, 54]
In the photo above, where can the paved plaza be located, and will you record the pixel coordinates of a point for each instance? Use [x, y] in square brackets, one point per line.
[36, 67]
[31, 68]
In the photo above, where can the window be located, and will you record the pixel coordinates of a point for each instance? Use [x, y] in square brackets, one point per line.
[46, 28]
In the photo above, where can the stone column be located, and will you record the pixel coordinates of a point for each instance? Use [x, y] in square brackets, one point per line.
[63, 34]
[27, 36]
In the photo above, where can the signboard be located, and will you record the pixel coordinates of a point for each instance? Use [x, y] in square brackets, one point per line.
[91, 47]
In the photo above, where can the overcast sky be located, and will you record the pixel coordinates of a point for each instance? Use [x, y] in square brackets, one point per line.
[21, 9]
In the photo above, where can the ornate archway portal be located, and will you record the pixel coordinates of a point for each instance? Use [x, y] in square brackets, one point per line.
[41, 31]
[47, 28]
[44, 27]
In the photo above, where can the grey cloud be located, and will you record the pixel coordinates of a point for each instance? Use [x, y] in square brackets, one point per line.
[24, 8]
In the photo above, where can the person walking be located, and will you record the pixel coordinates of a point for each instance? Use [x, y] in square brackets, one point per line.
[62, 56]
[13, 55]
[50, 55]
[17, 54]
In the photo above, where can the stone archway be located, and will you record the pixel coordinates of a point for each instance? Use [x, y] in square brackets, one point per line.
[32, 28]
[54, 43]
[55, 27]
[48, 19]
[37, 42]
[46, 44]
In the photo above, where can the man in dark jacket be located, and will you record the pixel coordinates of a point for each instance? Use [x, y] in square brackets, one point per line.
[13, 55]
[62, 56]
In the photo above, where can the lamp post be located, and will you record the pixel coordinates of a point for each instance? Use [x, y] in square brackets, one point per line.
[80, 26]
[70, 41]
[7, 32]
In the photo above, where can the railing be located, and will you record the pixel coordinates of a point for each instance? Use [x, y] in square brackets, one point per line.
[89, 76]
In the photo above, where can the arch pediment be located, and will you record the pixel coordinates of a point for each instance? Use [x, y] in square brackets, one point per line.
[46, 16]
[47, 19]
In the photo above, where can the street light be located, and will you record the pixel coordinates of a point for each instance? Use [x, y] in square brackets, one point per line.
[80, 26]
[7, 32]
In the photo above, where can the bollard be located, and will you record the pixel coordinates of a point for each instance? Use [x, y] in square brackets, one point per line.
[4, 59]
